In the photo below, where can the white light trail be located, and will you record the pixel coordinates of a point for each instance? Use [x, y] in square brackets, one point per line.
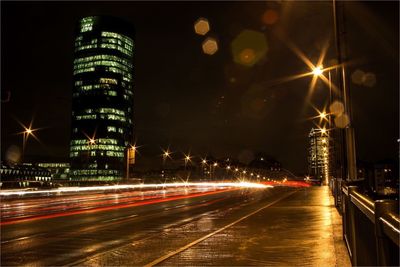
[136, 186]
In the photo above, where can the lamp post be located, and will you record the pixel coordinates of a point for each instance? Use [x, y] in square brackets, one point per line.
[349, 152]
[25, 135]
[166, 154]
[130, 158]
[187, 159]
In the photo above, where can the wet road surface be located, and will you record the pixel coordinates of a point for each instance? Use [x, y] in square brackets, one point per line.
[272, 226]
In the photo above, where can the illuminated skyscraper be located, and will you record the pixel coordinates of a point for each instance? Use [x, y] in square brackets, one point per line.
[102, 99]
[320, 154]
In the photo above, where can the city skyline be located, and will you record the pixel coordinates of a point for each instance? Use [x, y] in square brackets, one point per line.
[190, 101]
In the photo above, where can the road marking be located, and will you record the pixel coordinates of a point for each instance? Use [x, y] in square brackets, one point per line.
[120, 218]
[22, 238]
[173, 253]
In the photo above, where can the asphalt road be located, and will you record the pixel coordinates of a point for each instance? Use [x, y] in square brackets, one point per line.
[33, 233]
[280, 226]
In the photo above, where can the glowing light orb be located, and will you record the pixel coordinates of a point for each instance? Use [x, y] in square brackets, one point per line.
[249, 47]
[369, 79]
[247, 56]
[270, 17]
[357, 77]
[210, 46]
[336, 108]
[342, 121]
[202, 26]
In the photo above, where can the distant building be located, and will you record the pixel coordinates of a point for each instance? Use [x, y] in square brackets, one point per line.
[320, 155]
[263, 161]
[58, 170]
[386, 177]
[102, 99]
[23, 175]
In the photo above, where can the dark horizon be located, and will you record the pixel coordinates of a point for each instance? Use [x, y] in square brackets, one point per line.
[189, 101]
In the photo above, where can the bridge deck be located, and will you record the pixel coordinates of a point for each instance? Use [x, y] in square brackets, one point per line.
[303, 229]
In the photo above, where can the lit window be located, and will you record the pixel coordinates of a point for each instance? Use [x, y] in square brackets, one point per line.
[108, 81]
[111, 129]
[87, 24]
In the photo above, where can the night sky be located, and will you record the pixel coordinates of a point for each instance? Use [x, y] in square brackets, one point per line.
[191, 101]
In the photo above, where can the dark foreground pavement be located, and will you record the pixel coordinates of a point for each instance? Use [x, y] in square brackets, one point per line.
[303, 229]
[298, 228]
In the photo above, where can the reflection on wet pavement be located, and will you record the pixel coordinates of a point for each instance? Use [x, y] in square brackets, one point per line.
[273, 226]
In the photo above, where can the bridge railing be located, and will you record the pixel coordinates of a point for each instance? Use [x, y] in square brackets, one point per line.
[370, 229]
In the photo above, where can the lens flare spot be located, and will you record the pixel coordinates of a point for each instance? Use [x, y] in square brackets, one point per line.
[202, 26]
[357, 77]
[249, 47]
[210, 46]
[336, 108]
[342, 121]
[247, 56]
[369, 79]
[270, 17]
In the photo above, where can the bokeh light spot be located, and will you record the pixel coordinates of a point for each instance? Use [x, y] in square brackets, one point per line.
[247, 56]
[270, 17]
[13, 154]
[369, 79]
[249, 47]
[336, 108]
[201, 26]
[342, 120]
[210, 46]
[357, 77]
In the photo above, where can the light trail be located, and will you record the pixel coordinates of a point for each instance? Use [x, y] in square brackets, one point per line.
[121, 206]
[138, 186]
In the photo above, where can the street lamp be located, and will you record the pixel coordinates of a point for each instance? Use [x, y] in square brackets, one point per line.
[28, 131]
[166, 154]
[318, 70]
[130, 158]
[25, 135]
[187, 158]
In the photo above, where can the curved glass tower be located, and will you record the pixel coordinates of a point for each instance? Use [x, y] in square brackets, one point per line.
[102, 100]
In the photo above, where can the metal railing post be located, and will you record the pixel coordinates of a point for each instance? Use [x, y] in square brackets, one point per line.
[353, 226]
[383, 207]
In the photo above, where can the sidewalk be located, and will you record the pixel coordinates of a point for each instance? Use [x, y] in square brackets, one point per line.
[301, 230]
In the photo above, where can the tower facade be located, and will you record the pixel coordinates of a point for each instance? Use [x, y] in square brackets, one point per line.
[102, 99]
[320, 154]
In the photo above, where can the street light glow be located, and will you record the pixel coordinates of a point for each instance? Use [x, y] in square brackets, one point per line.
[187, 158]
[166, 154]
[317, 71]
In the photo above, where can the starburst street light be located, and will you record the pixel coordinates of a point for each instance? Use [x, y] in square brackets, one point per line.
[28, 131]
[166, 154]
[318, 70]
[187, 158]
